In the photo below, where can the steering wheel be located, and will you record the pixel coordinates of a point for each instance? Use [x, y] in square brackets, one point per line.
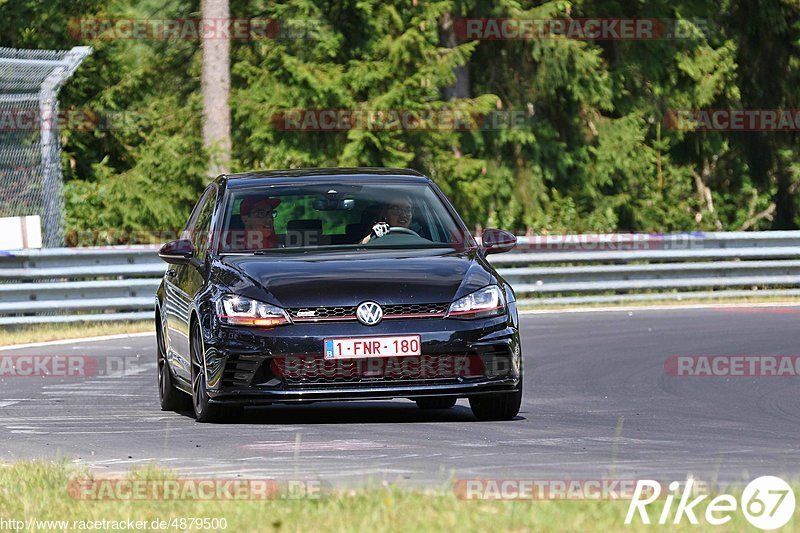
[401, 229]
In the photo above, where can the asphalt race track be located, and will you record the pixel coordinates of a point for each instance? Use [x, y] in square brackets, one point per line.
[598, 402]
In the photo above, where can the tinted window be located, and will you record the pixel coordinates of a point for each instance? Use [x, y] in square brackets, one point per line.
[197, 229]
[336, 216]
[201, 234]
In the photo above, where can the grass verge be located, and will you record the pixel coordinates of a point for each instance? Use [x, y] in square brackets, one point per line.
[39, 491]
[51, 332]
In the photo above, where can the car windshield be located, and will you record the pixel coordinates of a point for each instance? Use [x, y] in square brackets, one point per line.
[321, 216]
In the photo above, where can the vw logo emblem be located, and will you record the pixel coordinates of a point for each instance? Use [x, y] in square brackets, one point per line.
[369, 313]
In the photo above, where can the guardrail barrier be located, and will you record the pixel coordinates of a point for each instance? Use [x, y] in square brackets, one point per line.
[119, 283]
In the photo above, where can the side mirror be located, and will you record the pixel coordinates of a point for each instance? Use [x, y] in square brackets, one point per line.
[178, 252]
[496, 241]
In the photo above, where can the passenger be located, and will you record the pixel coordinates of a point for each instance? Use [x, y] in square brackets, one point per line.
[258, 217]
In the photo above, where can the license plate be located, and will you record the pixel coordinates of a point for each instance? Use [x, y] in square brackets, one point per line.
[361, 347]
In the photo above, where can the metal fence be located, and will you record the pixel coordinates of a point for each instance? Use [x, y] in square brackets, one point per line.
[30, 150]
[78, 284]
[570, 269]
[119, 283]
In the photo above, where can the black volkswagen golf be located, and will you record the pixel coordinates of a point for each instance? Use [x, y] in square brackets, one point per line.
[334, 284]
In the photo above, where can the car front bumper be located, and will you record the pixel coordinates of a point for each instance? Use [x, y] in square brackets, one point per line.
[241, 362]
[365, 391]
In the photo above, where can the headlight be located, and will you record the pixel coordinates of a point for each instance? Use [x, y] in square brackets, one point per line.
[486, 302]
[240, 311]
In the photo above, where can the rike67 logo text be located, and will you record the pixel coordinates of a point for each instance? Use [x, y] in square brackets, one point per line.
[767, 502]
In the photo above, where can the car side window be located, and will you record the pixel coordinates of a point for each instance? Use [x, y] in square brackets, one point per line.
[188, 230]
[201, 233]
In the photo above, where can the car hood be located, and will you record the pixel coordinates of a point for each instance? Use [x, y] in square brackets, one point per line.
[344, 279]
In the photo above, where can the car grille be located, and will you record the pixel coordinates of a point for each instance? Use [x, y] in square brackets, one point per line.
[411, 310]
[447, 368]
[319, 314]
[303, 369]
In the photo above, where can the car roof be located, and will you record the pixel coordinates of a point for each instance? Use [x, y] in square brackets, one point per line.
[299, 175]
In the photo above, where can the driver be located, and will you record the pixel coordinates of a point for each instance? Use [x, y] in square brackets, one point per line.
[395, 214]
[258, 217]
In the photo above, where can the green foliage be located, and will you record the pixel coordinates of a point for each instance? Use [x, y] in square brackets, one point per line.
[592, 153]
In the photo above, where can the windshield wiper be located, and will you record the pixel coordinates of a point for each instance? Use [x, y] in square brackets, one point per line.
[405, 246]
[273, 250]
[257, 252]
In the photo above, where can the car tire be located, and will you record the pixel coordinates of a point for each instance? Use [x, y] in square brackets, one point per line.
[170, 397]
[499, 407]
[436, 403]
[204, 410]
